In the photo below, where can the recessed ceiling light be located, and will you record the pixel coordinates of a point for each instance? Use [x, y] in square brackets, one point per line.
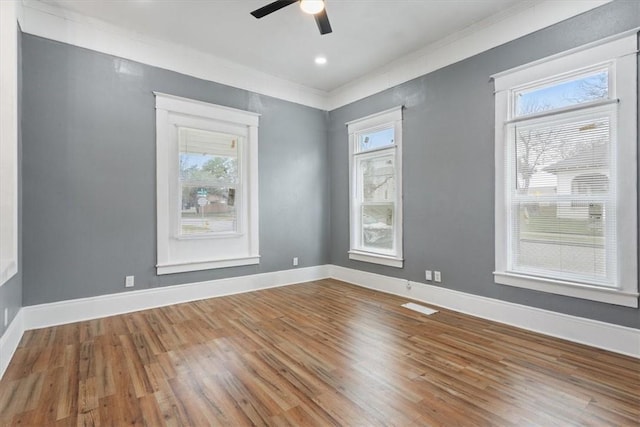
[320, 60]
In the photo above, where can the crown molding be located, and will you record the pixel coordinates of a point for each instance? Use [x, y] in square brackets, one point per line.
[499, 29]
[52, 22]
[48, 21]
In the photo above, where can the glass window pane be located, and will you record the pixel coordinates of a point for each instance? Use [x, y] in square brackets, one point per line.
[209, 179]
[208, 157]
[378, 183]
[563, 157]
[377, 139]
[377, 226]
[207, 210]
[567, 238]
[586, 88]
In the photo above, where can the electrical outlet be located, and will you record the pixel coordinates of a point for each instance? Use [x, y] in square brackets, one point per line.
[6, 316]
[295, 261]
[437, 276]
[129, 281]
[427, 275]
[408, 285]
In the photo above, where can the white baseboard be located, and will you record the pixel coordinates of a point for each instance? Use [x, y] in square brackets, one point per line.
[10, 339]
[603, 335]
[594, 333]
[58, 313]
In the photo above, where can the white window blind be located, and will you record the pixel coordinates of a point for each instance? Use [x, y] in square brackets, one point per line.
[563, 203]
[566, 173]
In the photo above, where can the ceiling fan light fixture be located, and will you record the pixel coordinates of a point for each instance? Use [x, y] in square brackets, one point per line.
[312, 7]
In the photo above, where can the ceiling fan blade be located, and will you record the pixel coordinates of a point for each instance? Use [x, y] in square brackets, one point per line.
[323, 22]
[272, 7]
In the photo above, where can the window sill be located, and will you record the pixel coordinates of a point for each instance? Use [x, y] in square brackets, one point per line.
[205, 265]
[376, 259]
[571, 289]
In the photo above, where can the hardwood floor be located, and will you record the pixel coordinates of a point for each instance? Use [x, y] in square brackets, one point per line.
[320, 353]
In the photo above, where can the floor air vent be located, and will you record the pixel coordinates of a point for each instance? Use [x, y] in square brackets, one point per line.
[419, 308]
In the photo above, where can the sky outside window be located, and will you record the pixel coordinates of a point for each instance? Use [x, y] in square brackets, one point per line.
[589, 88]
[377, 139]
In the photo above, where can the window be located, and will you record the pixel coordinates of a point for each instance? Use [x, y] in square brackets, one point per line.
[207, 185]
[375, 151]
[566, 174]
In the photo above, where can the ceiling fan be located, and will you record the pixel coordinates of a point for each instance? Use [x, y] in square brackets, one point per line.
[312, 7]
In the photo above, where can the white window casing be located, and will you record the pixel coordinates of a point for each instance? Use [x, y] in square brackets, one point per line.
[179, 118]
[388, 158]
[617, 278]
[8, 140]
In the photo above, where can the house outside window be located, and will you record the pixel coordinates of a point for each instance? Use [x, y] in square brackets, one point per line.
[566, 174]
[207, 185]
[375, 152]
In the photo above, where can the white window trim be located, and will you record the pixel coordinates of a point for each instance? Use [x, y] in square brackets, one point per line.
[622, 50]
[168, 107]
[391, 116]
[8, 141]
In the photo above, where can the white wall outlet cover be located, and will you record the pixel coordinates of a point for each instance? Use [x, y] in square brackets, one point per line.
[6, 316]
[295, 261]
[129, 281]
[437, 276]
[427, 275]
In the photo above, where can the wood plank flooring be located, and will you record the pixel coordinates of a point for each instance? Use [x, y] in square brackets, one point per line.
[313, 354]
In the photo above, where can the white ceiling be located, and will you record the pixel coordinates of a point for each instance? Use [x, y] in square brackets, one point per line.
[367, 34]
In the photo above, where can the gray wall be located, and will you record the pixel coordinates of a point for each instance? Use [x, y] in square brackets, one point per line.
[89, 174]
[11, 291]
[449, 166]
[89, 165]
